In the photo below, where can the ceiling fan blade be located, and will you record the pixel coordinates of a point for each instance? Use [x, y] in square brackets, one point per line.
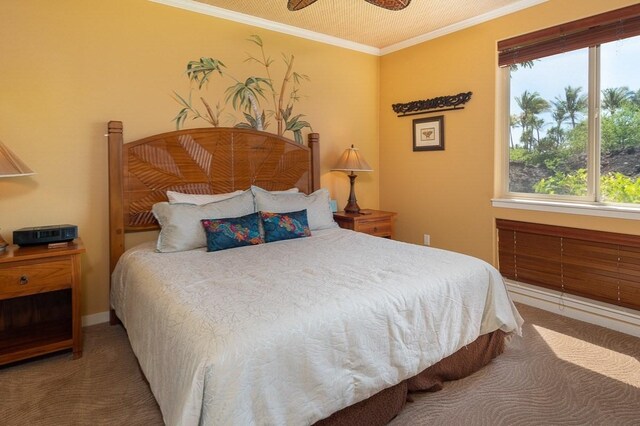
[389, 4]
[300, 4]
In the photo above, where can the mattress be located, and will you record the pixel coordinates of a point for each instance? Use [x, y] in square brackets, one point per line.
[292, 331]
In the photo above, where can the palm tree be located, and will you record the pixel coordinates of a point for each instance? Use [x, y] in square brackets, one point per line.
[525, 64]
[613, 98]
[574, 103]
[559, 115]
[556, 135]
[537, 124]
[513, 123]
[531, 105]
[634, 97]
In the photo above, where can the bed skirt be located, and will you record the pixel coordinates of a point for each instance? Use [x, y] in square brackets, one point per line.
[382, 407]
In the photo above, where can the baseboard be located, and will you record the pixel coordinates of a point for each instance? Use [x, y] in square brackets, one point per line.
[94, 319]
[591, 311]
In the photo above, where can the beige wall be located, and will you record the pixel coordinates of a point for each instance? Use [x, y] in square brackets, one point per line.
[447, 193]
[69, 66]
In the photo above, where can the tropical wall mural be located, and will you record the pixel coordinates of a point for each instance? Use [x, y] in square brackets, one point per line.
[258, 98]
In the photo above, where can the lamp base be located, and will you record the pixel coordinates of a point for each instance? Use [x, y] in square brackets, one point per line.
[352, 204]
[352, 208]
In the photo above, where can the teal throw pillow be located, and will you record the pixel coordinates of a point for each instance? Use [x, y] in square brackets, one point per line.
[285, 226]
[233, 232]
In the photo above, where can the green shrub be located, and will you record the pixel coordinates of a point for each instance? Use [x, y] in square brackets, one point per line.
[519, 155]
[615, 187]
[564, 184]
[619, 188]
[621, 129]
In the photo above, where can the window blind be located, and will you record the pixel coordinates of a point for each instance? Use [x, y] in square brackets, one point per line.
[606, 27]
[594, 264]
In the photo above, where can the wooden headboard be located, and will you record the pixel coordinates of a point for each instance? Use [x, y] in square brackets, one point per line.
[198, 161]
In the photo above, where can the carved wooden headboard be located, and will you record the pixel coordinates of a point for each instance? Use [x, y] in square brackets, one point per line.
[198, 161]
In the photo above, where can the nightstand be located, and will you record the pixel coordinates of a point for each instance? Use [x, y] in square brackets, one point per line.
[40, 301]
[373, 222]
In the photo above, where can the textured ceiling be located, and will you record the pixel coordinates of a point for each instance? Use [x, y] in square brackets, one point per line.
[361, 22]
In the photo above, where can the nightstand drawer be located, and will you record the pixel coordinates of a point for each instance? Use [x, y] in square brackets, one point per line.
[374, 227]
[32, 277]
[373, 222]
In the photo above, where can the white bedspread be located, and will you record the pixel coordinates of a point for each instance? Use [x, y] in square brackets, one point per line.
[292, 331]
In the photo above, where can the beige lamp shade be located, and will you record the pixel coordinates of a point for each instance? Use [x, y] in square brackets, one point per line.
[11, 165]
[352, 161]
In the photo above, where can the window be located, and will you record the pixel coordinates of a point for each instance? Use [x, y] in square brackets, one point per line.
[573, 115]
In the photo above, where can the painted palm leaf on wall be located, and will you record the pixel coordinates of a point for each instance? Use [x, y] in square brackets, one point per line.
[209, 161]
[247, 95]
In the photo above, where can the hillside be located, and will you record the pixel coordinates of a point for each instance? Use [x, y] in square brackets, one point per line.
[523, 177]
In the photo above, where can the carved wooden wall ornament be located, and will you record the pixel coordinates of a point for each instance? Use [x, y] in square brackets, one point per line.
[441, 103]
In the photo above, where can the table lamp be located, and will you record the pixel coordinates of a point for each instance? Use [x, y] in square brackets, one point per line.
[11, 166]
[352, 161]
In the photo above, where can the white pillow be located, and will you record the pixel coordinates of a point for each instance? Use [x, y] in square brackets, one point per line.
[180, 224]
[199, 199]
[317, 206]
[286, 191]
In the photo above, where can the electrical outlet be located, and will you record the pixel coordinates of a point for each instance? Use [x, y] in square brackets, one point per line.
[427, 239]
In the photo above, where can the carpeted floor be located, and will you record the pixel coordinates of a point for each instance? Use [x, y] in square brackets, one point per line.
[562, 372]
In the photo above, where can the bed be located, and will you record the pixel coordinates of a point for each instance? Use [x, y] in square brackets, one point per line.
[332, 328]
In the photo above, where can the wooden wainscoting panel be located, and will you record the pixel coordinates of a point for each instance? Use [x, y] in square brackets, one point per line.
[599, 265]
[506, 253]
[591, 269]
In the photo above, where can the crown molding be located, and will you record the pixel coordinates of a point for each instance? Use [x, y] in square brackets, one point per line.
[242, 18]
[497, 13]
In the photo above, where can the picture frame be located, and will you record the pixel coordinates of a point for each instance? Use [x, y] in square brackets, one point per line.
[428, 134]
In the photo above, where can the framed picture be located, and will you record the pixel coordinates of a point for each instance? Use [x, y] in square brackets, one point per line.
[428, 134]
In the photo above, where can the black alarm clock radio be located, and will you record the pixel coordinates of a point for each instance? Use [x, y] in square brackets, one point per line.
[45, 234]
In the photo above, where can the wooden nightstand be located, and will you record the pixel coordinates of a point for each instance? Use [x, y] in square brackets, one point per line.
[373, 222]
[40, 301]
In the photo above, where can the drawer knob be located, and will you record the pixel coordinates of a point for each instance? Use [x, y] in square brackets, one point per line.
[24, 280]
[375, 229]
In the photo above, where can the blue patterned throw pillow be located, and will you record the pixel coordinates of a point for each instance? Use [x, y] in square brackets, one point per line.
[233, 232]
[285, 226]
